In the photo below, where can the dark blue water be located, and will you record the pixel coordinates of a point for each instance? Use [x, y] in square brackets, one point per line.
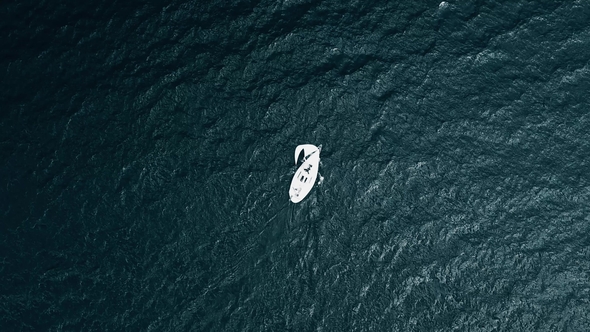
[146, 154]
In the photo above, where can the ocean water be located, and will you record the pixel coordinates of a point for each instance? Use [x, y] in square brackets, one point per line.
[147, 150]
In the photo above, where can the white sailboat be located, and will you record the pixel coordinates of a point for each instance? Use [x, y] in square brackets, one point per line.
[306, 174]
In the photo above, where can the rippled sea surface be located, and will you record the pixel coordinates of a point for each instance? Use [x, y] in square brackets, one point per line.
[146, 152]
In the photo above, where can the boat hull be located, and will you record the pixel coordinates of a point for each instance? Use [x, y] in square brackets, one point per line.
[306, 175]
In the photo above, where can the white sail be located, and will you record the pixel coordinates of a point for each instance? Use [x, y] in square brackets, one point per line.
[306, 148]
